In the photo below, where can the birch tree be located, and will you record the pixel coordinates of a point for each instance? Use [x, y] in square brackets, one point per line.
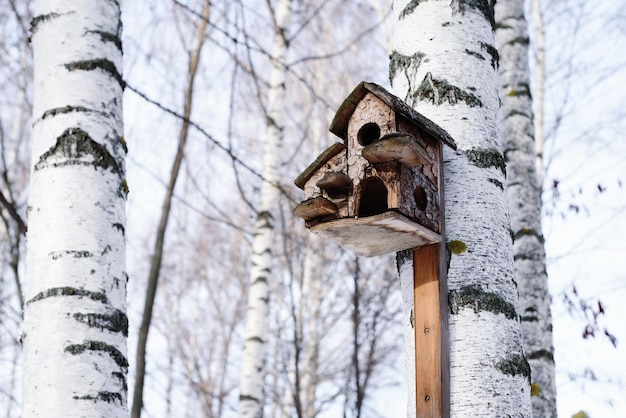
[524, 195]
[75, 325]
[253, 361]
[444, 64]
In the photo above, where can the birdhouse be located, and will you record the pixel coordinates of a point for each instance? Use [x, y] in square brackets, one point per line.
[379, 190]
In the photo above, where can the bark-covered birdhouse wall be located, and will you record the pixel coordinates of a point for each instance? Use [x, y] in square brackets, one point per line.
[326, 186]
[410, 189]
[371, 120]
[336, 165]
[421, 198]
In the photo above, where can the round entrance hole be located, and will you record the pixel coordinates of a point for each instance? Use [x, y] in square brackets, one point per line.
[421, 199]
[370, 132]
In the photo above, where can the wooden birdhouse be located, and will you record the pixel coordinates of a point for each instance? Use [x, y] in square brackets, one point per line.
[380, 189]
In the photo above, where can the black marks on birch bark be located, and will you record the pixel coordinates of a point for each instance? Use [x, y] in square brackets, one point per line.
[108, 37]
[55, 255]
[82, 109]
[99, 63]
[497, 183]
[75, 147]
[521, 40]
[474, 54]
[115, 2]
[409, 8]
[439, 91]
[70, 291]
[98, 347]
[120, 228]
[260, 279]
[256, 339]
[492, 51]
[108, 397]
[502, 25]
[542, 354]
[530, 315]
[403, 257]
[122, 378]
[116, 321]
[264, 220]
[487, 158]
[37, 20]
[248, 398]
[525, 232]
[515, 364]
[66, 109]
[409, 64]
[479, 300]
[518, 113]
[484, 7]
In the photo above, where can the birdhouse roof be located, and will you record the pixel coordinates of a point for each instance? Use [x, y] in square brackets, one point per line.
[339, 125]
[322, 159]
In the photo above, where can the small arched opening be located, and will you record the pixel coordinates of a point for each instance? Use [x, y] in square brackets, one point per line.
[373, 197]
[370, 132]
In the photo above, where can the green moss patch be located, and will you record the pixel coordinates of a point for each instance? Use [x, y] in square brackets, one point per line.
[515, 365]
[475, 297]
[487, 158]
[457, 247]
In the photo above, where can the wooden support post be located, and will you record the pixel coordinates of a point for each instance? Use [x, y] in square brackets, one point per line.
[431, 345]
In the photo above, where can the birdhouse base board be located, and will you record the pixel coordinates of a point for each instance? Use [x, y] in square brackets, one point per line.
[384, 233]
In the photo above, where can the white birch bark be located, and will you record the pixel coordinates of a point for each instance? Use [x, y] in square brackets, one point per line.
[75, 325]
[540, 69]
[444, 64]
[524, 197]
[287, 407]
[312, 292]
[405, 269]
[255, 345]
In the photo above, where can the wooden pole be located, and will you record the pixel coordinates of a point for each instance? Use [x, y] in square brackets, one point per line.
[431, 352]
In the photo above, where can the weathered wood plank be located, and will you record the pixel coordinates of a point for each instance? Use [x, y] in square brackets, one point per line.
[335, 183]
[397, 147]
[315, 208]
[378, 234]
[427, 316]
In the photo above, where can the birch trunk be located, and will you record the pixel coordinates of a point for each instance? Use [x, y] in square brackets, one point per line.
[540, 35]
[255, 345]
[405, 270]
[444, 64]
[524, 197]
[75, 325]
